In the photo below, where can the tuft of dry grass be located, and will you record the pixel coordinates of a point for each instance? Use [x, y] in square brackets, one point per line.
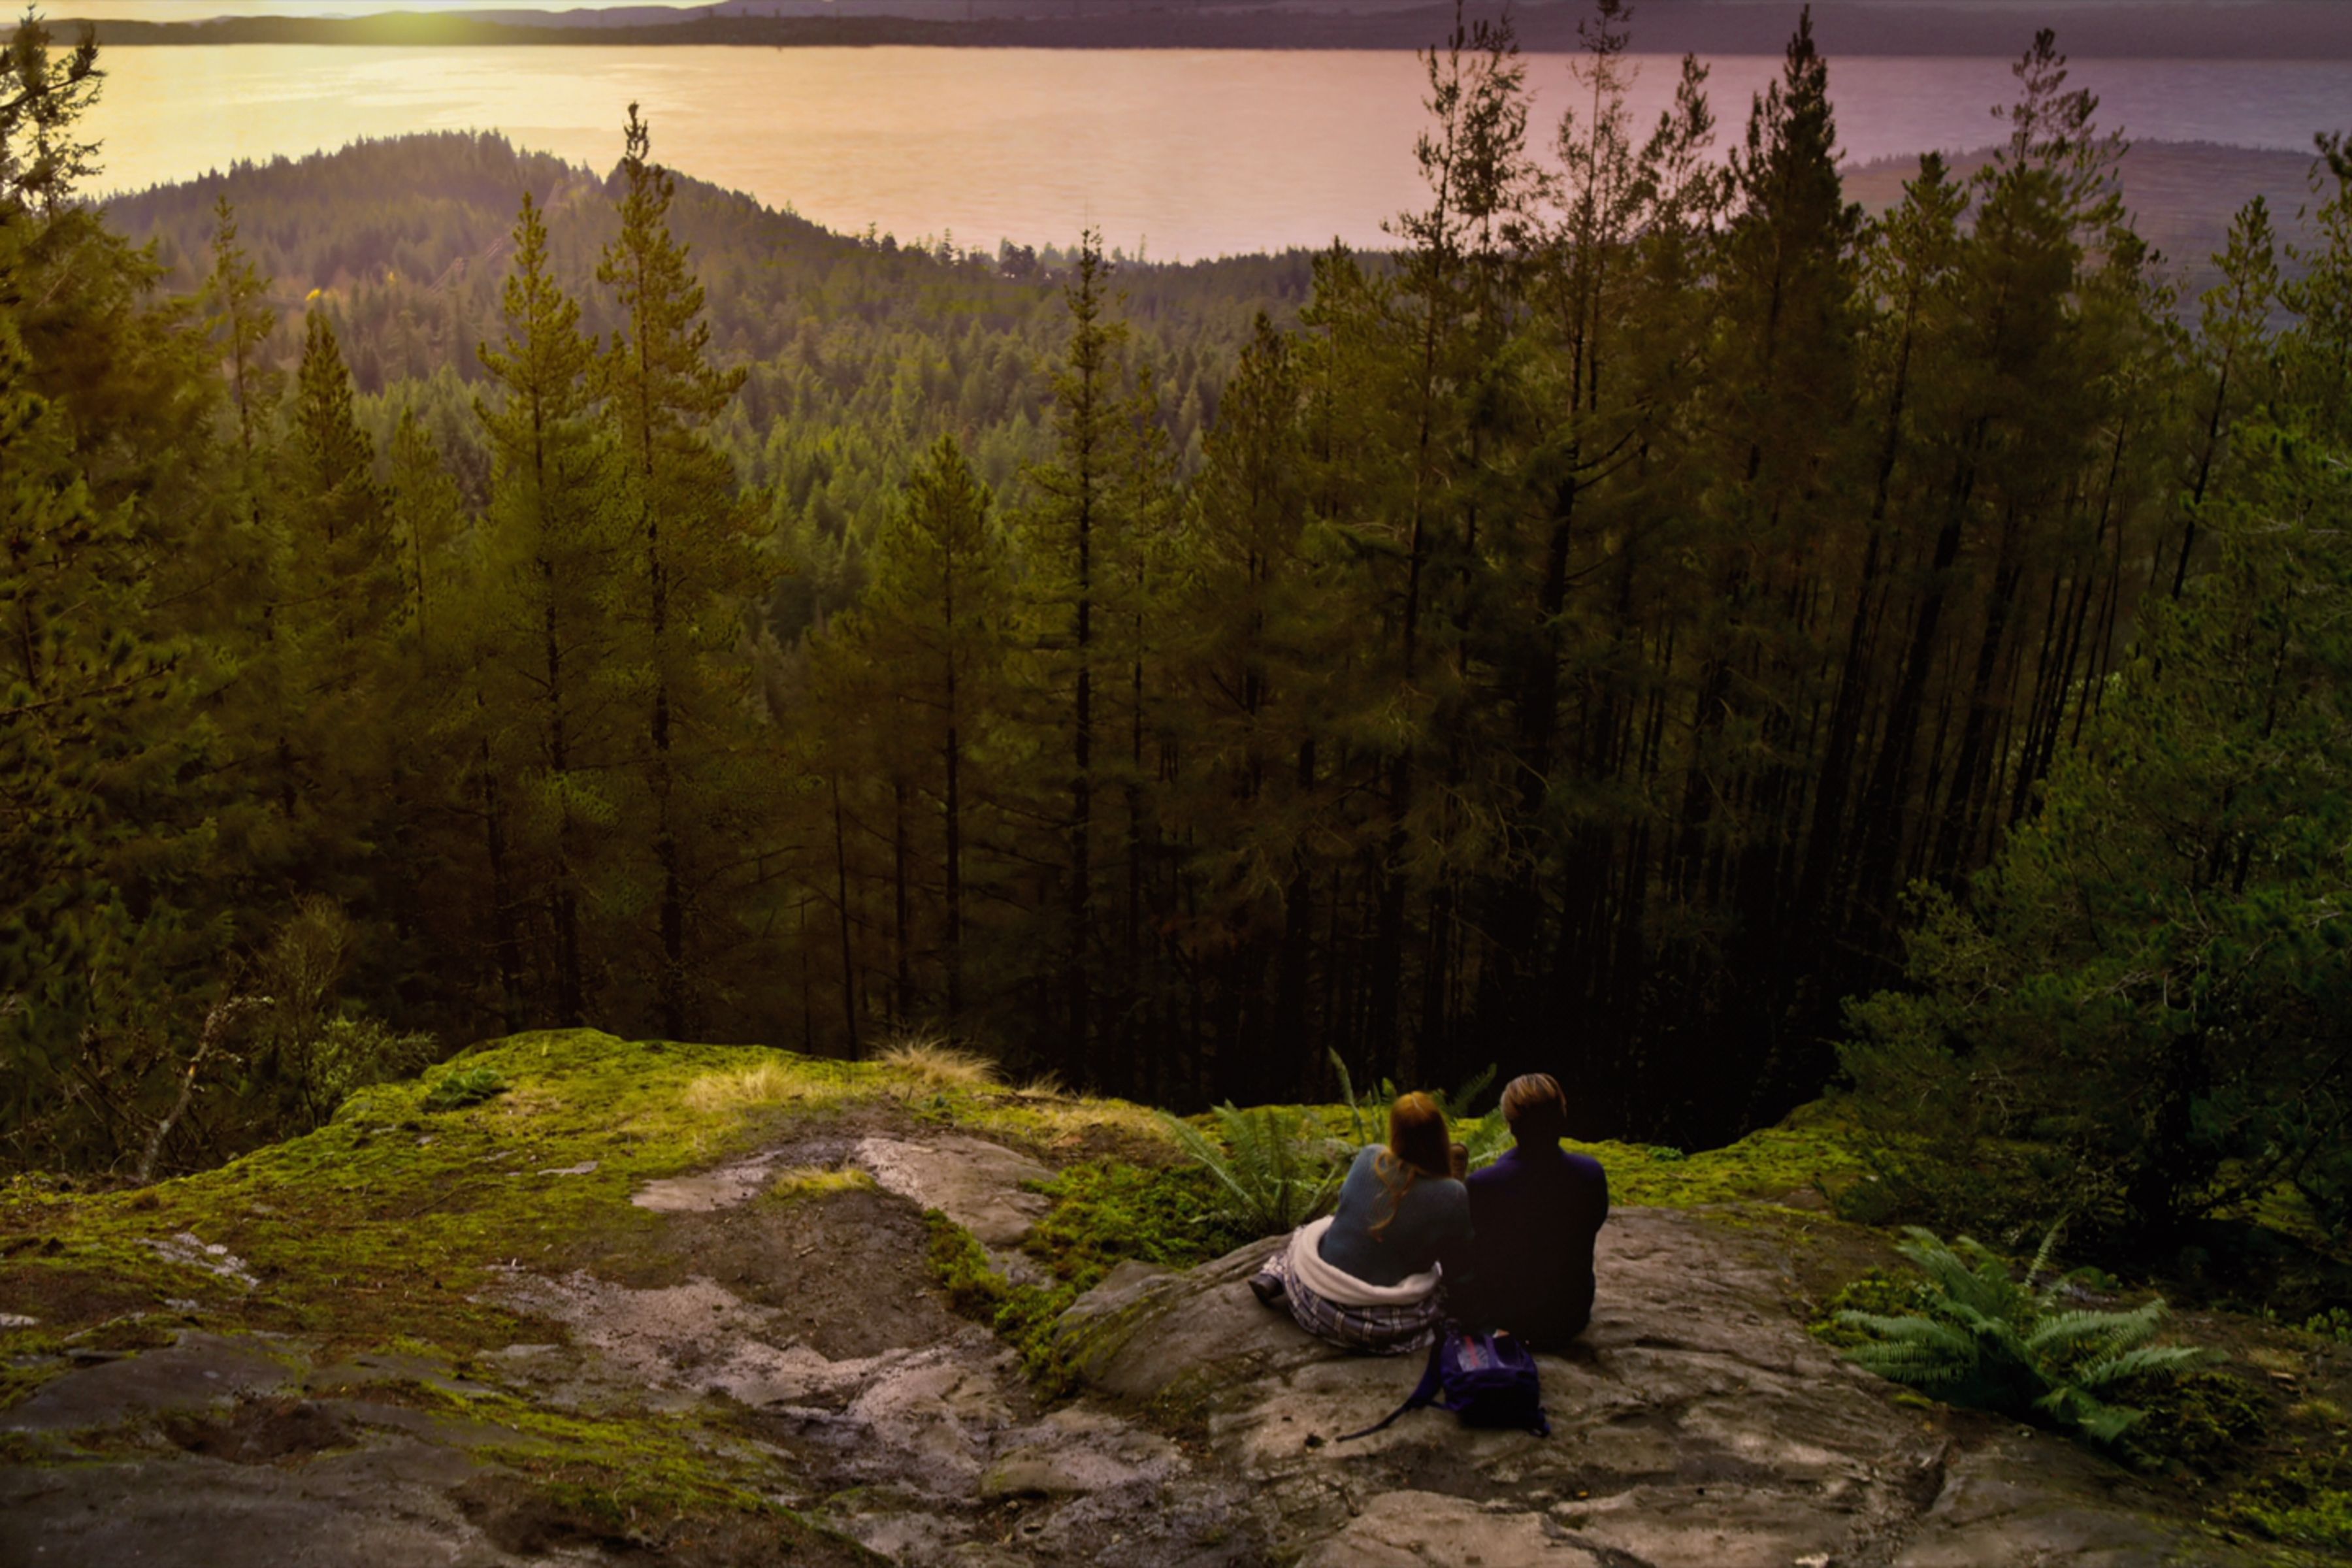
[747, 1088]
[930, 1060]
[820, 1181]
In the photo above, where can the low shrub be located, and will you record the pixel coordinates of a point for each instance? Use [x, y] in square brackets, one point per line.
[935, 1064]
[1978, 1337]
[2336, 1323]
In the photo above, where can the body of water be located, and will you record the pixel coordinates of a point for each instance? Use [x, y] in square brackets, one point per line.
[1183, 154]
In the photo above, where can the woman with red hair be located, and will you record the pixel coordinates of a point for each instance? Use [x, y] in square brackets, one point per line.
[1369, 1277]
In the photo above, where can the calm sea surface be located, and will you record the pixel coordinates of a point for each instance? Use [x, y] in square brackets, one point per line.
[1184, 153]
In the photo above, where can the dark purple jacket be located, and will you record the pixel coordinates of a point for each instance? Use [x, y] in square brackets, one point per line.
[1534, 1214]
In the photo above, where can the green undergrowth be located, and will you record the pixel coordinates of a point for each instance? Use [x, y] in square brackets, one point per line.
[2306, 1503]
[1814, 1149]
[1022, 1315]
[1107, 1213]
[2195, 1421]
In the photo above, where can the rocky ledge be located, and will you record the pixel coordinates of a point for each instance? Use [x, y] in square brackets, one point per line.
[804, 1345]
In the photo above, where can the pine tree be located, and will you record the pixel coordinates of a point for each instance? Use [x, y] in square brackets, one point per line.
[1255, 672]
[917, 670]
[1069, 538]
[426, 513]
[694, 570]
[236, 298]
[548, 558]
[41, 101]
[340, 537]
[1779, 524]
[95, 945]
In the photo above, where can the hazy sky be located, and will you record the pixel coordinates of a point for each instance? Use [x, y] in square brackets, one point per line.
[195, 10]
[192, 10]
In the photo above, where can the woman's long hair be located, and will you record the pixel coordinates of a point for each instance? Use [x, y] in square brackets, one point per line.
[1417, 1147]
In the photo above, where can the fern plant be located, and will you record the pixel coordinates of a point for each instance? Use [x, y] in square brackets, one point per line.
[1485, 1137]
[1984, 1339]
[1274, 1168]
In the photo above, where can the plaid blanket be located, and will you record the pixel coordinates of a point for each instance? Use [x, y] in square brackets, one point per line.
[1396, 1328]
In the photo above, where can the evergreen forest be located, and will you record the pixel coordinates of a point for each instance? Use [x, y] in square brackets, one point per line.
[1653, 625]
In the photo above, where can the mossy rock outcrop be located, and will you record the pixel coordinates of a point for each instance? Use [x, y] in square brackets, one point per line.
[707, 1306]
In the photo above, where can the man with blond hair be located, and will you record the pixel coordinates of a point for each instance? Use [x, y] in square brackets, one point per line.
[1535, 1213]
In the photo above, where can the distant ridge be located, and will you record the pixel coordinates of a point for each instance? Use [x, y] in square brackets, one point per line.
[2235, 29]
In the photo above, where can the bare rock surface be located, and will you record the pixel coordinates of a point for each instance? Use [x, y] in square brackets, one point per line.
[978, 1184]
[1696, 1426]
[194, 1373]
[706, 1190]
[389, 1508]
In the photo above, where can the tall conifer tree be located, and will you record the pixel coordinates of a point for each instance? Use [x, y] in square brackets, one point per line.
[677, 495]
[551, 544]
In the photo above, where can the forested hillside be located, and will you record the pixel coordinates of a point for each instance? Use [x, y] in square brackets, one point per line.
[859, 349]
[1595, 637]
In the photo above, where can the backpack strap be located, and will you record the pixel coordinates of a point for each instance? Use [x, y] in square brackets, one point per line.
[1424, 1393]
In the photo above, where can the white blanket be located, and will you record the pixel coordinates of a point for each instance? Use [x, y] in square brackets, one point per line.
[1344, 1290]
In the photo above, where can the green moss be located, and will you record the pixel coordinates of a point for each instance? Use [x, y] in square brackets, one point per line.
[1814, 1149]
[459, 1087]
[23, 1448]
[19, 1379]
[2205, 1420]
[1107, 1213]
[386, 1220]
[961, 1267]
[1874, 1291]
[2307, 1503]
[1022, 1315]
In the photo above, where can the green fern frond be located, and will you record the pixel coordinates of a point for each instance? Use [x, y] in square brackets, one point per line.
[2086, 1333]
[1460, 1101]
[1985, 1339]
[1274, 1170]
[2145, 1360]
[2041, 1254]
[2095, 1418]
[1486, 1138]
[1965, 1273]
[1359, 1121]
[1910, 1364]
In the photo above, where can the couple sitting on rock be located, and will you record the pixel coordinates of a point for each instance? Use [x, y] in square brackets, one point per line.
[1414, 1243]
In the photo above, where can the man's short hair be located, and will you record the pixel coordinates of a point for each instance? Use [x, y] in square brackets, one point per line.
[1535, 1106]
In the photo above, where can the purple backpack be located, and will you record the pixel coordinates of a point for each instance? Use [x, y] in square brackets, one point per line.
[1488, 1379]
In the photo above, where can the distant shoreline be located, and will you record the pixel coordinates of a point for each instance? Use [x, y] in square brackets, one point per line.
[2254, 29]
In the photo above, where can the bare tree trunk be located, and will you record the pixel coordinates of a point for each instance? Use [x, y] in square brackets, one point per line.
[224, 1013]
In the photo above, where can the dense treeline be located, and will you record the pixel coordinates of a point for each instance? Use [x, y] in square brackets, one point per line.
[860, 350]
[1565, 644]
